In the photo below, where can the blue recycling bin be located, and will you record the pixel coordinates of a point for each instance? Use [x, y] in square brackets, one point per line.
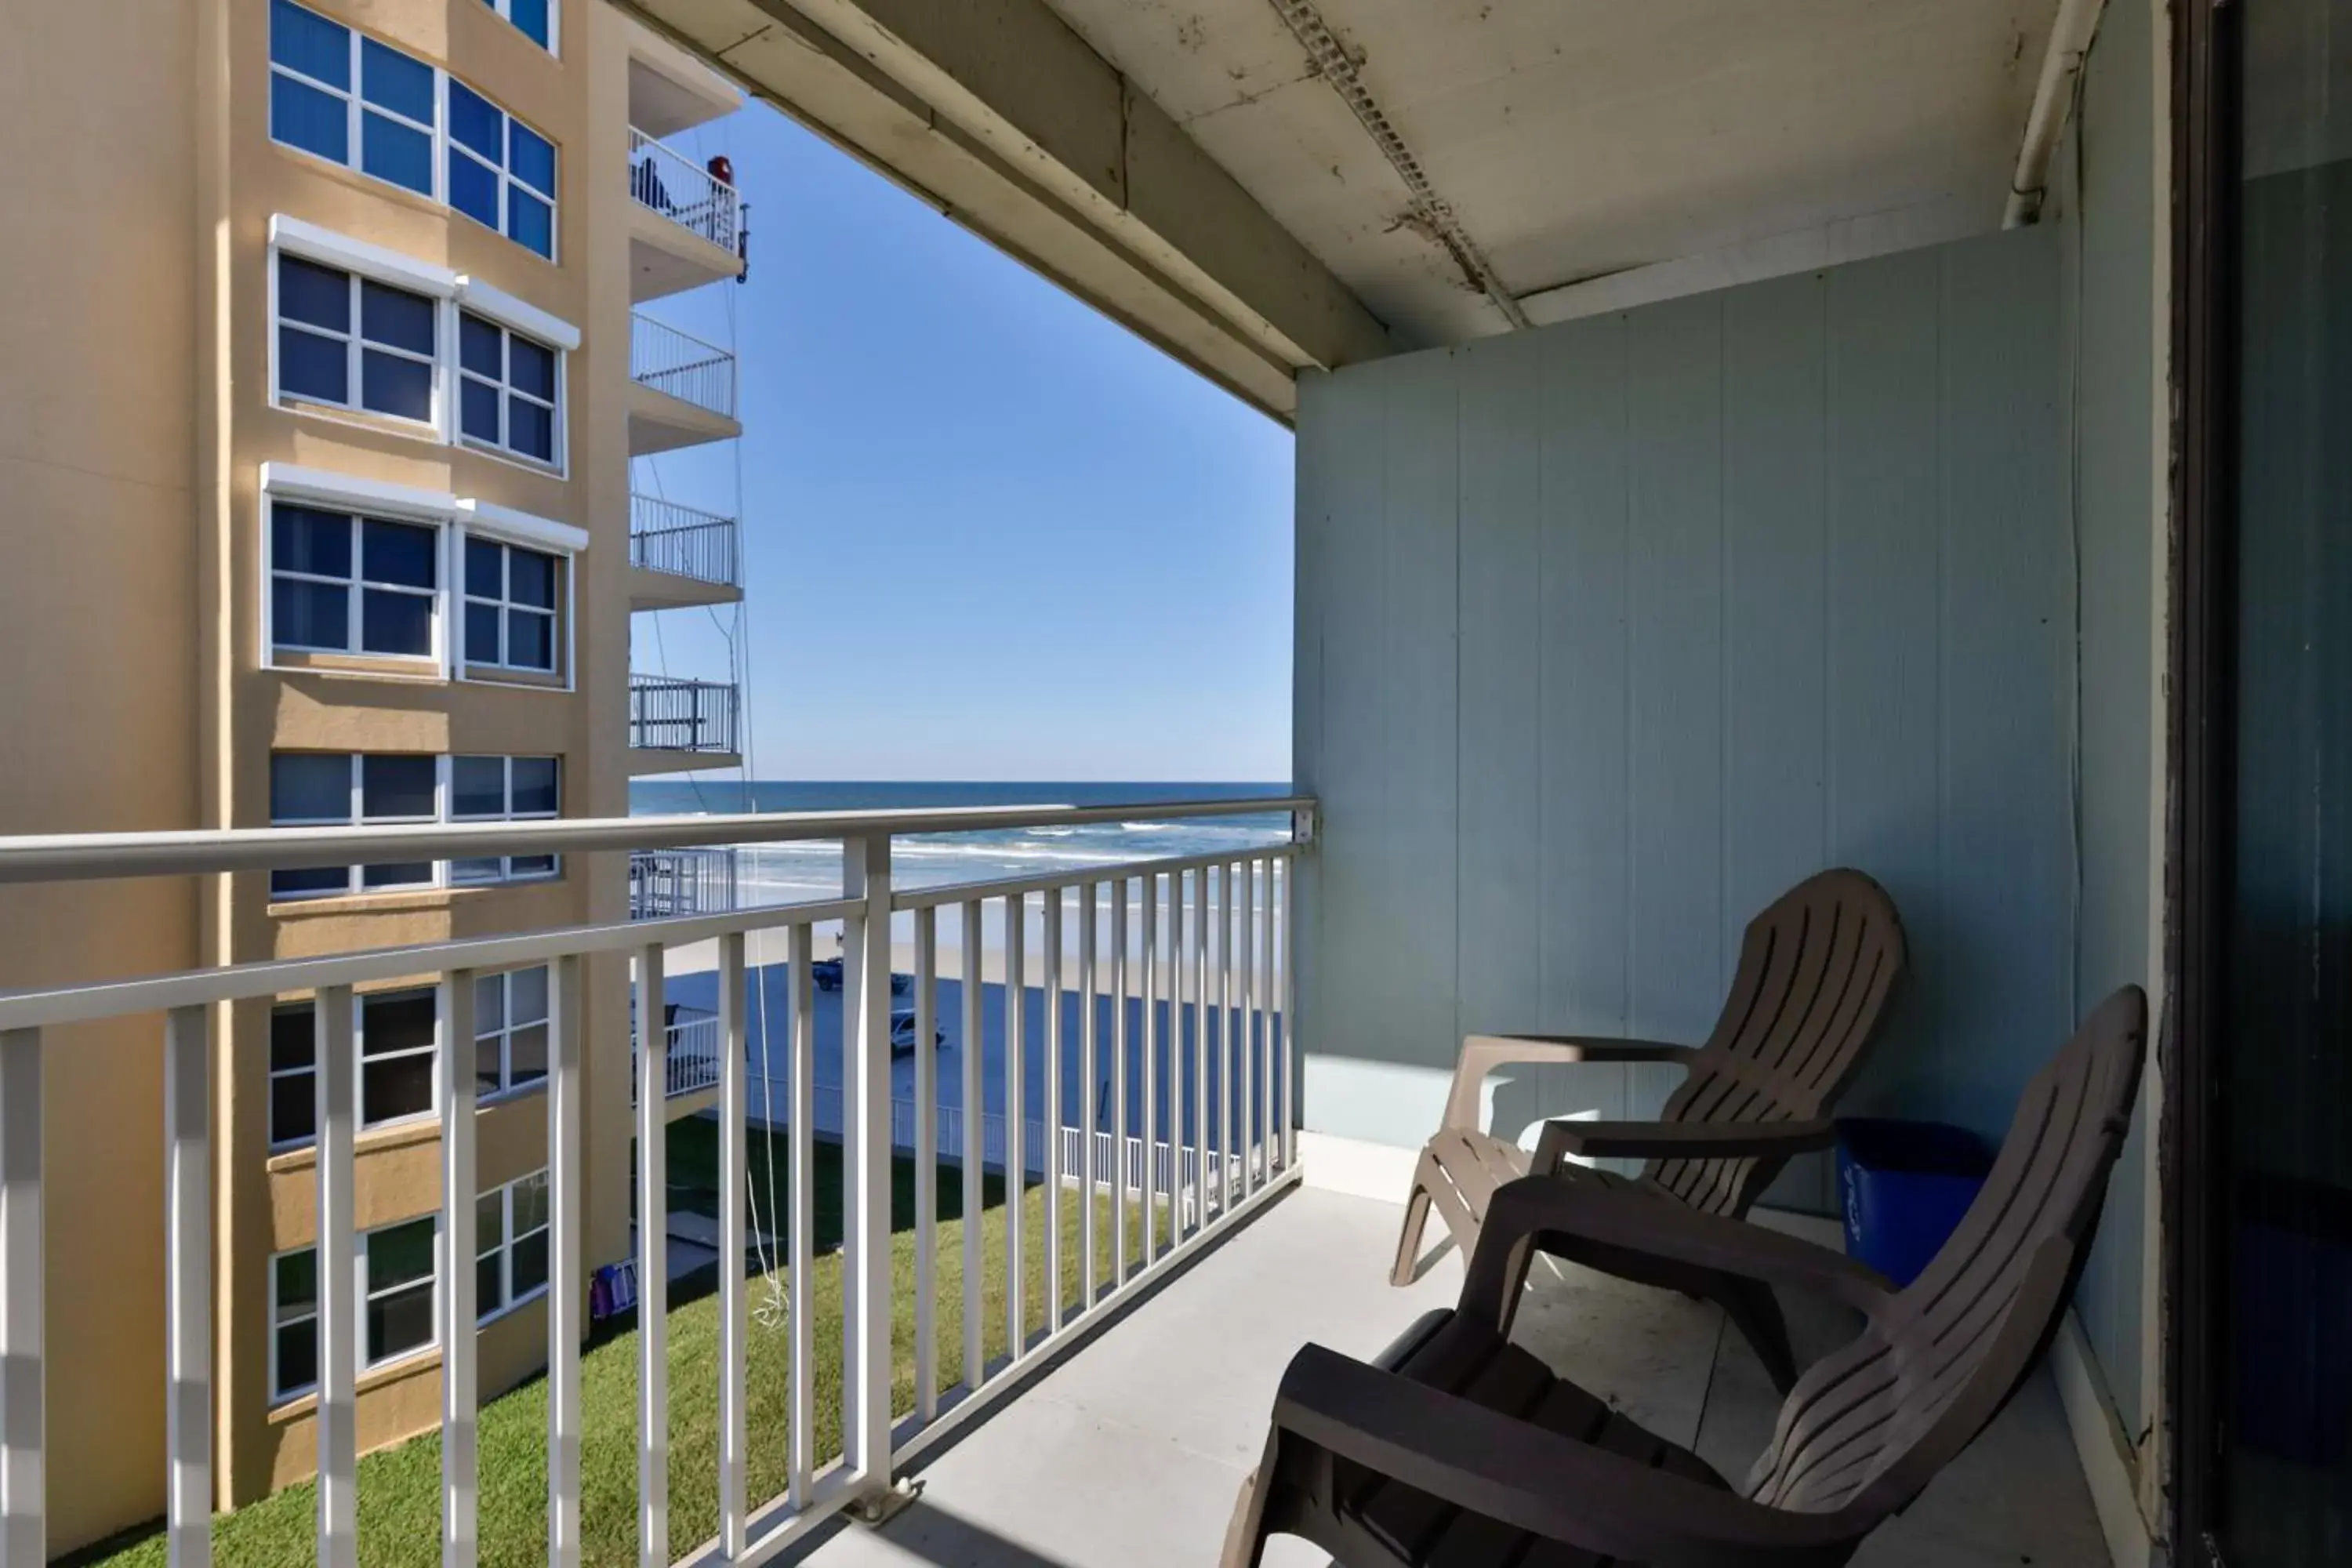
[1903, 1187]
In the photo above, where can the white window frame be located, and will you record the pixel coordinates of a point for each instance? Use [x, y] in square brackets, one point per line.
[436, 661]
[279, 1392]
[437, 135]
[443, 810]
[309, 1070]
[361, 1060]
[554, 45]
[506, 872]
[357, 346]
[459, 518]
[503, 1249]
[508, 1087]
[502, 173]
[355, 884]
[557, 460]
[279, 1395]
[559, 634]
[359, 1064]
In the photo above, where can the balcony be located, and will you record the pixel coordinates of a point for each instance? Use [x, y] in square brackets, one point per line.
[664, 883]
[685, 222]
[1127, 1352]
[681, 556]
[684, 390]
[681, 724]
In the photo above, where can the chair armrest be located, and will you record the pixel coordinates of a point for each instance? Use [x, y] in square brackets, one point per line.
[1687, 1140]
[1587, 1222]
[1482, 1054]
[1529, 1479]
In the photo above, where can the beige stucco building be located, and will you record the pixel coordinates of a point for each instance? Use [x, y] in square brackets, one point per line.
[315, 447]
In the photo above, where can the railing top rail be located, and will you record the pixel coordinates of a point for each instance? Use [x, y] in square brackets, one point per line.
[639, 500]
[675, 683]
[902, 900]
[639, 140]
[86, 857]
[273, 977]
[658, 325]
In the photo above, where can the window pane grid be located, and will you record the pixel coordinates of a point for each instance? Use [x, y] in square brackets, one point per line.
[379, 374]
[509, 623]
[357, 102]
[506, 807]
[370, 590]
[507, 390]
[511, 1038]
[512, 1262]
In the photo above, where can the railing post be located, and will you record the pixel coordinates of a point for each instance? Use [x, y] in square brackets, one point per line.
[866, 1196]
[460, 1186]
[338, 1266]
[23, 1531]
[567, 1293]
[187, 1284]
[652, 1261]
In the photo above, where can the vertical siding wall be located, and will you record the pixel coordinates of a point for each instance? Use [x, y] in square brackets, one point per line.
[1608, 632]
[2109, 235]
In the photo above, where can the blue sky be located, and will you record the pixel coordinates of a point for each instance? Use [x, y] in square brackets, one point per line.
[990, 535]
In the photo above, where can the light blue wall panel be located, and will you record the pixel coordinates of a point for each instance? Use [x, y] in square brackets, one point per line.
[2108, 302]
[1610, 631]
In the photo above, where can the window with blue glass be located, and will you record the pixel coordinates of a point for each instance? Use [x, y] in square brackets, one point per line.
[506, 390]
[319, 789]
[345, 584]
[512, 595]
[504, 789]
[535, 19]
[353, 342]
[502, 172]
[358, 102]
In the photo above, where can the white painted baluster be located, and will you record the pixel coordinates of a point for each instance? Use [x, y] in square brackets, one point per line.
[1089, 1075]
[799, 1004]
[1199, 1049]
[1263, 1081]
[1053, 1121]
[652, 1261]
[24, 1519]
[926, 1163]
[567, 1297]
[865, 1186]
[339, 1282]
[975, 1153]
[460, 1192]
[1117, 1143]
[1253, 1125]
[1223, 1115]
[187, 1285]
[1016, 1162]
[1149, 989]
[734, 1352]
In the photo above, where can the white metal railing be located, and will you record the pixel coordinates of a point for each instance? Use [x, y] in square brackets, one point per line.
[1213, 978]
[667, 182]
[670, 715]
[681, 364]
[663, 882]
[692, 1063]
[684, 542]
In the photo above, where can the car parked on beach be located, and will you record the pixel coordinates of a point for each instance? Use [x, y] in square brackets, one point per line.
[826, 973]
[902, 1033]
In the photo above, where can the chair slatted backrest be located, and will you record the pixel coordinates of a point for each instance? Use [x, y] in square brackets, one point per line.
[1867, 1428]
[1816, 971]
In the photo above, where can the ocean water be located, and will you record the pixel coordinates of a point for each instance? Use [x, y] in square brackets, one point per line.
[780, 873]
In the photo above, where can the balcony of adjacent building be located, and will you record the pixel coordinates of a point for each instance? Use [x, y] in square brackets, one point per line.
[686, 222]
[682, 391]
[679, 725]
[681, 556]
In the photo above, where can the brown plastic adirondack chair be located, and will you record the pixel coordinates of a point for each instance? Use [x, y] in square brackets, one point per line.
[1815, 969]
[1459, 1447]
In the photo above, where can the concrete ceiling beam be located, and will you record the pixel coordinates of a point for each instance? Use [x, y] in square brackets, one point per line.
[1004, 118]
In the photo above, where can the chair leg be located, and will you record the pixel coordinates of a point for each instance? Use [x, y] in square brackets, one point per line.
[1416, 1217]
[1756, 1312]
[1246, 1532]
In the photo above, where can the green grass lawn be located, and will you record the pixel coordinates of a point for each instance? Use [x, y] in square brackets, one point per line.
[399, 1500]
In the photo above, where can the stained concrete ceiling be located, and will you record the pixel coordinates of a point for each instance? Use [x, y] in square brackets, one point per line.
[1568, 141]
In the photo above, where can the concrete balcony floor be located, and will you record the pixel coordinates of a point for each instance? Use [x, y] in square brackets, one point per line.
[1128, 1453]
